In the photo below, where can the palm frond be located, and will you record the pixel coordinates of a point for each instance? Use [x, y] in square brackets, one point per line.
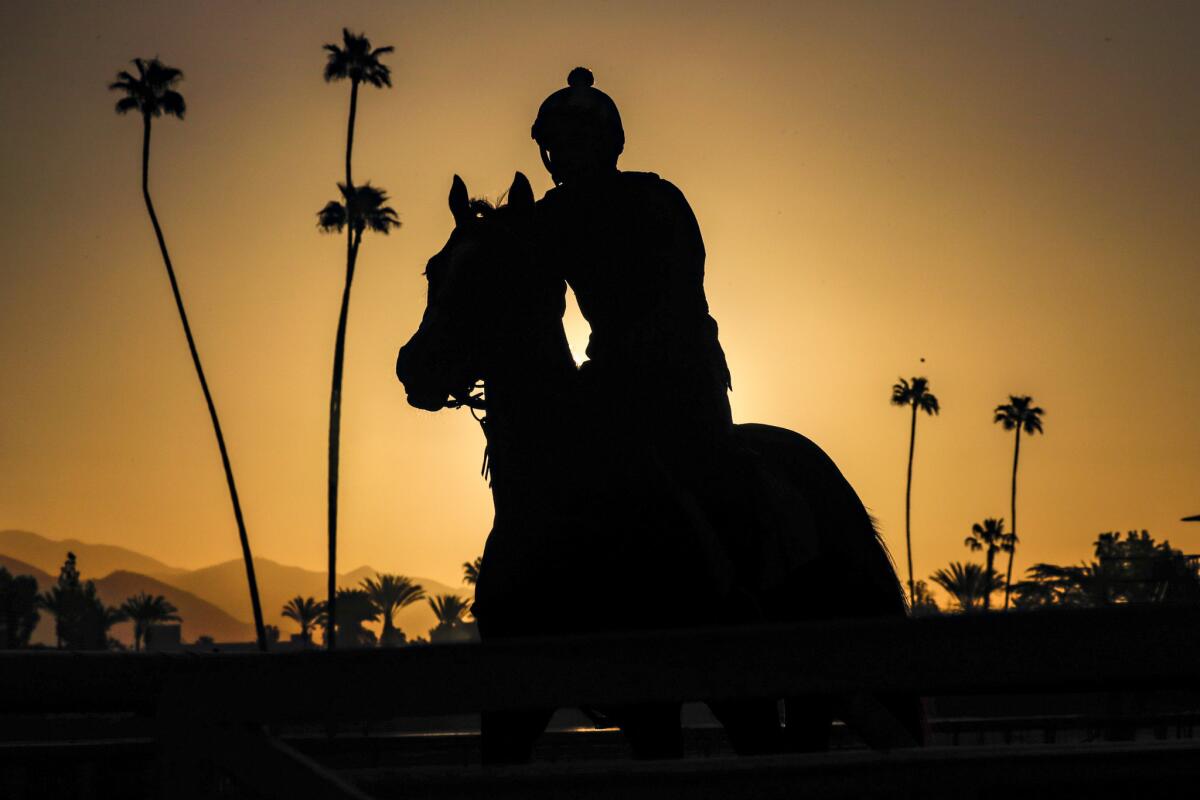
[915, 394]
[967, 583]
[172, 103]
[383, 220]
[390, 593]
[332, 217]
[364, 209]
[1019, 412]
[335, 68]
[152, 91]
[449, 609]
[471, 570]
[357, 61]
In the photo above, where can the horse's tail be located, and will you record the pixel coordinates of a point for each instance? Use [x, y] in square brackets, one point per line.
[852, 550]
[896, 585]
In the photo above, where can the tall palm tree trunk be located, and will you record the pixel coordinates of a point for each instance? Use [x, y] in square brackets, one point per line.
[259, 629]
[335, 395]
[987, 585]
[350, 128]
[335, 434]
[1013, 551]
[912, 441]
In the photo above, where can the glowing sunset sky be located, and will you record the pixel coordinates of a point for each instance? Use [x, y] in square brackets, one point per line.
[1009, 190]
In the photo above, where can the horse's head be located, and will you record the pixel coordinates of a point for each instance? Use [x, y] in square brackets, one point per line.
[482, 287]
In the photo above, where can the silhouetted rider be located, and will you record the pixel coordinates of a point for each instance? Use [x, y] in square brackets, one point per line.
[668, 480]
[629, 246]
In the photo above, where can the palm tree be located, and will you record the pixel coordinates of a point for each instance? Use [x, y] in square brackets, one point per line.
[918, 396]
[362, 208]
[152, 93]
[389, 594]
[471, 571]
[98, 619]
[990, 537]
[146, 610]
[451, 612]
[449, 609]
[354, 610]
[966, 583]
[358, 62]
[1017, 414]
[304, 611]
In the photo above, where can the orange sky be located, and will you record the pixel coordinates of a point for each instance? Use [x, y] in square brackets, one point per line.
[1007, 190]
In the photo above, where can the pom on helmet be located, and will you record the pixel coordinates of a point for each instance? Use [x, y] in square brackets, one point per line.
[581, 76]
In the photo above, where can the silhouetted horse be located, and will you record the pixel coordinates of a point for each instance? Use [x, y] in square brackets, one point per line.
[585, 539]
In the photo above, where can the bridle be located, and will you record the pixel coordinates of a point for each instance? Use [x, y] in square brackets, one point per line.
[475, 400]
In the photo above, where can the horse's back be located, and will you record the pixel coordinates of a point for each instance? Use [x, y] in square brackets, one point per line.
[850, 566]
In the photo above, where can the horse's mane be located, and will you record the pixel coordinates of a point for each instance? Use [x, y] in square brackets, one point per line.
[483, 208]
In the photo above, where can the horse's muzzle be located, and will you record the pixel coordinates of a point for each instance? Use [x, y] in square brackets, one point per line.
[424, 398]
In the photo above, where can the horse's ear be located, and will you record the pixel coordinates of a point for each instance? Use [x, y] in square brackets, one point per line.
[520, 194]
[460, 201]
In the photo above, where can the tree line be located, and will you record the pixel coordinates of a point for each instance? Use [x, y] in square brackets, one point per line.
[1134, 569]
[377, 600]
[82, 621]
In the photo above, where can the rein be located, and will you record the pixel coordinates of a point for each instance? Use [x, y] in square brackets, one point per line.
[477, 401]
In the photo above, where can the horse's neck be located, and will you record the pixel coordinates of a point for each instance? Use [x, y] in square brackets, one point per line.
[529, 393]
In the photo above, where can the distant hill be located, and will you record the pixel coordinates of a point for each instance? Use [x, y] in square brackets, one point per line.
[94, 560]
[200, 617]
[224, 585]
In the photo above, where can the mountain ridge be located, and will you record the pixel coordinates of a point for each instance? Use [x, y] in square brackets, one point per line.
[48, 554]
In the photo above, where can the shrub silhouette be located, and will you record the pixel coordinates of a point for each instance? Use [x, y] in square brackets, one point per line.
[18, 609]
